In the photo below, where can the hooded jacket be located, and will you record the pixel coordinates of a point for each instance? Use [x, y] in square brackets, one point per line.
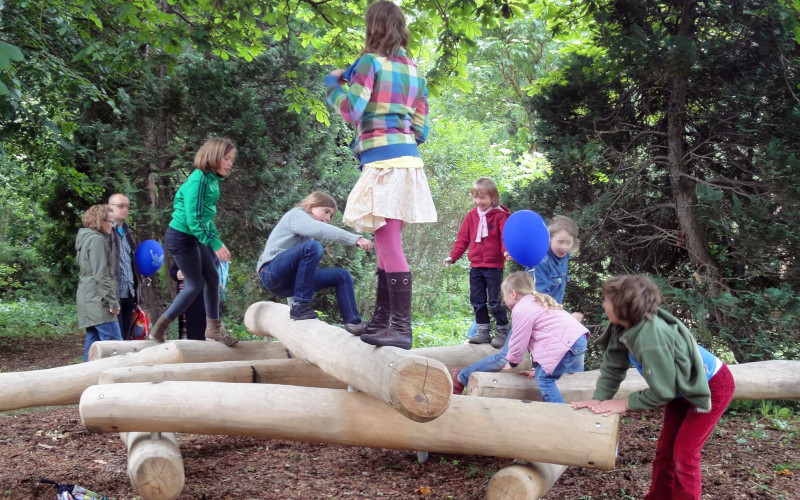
[97, 283]
[671, 363]
[490, 251]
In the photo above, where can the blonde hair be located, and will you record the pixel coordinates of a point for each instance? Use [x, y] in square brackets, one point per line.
[524, 284]
[94, 217]
[211, 153]
[634, 297]
[386, 29]
[317, 199]
[563, 223]
[486, 186]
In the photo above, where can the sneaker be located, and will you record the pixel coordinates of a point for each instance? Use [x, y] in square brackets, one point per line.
[301, 310]
[458, 387]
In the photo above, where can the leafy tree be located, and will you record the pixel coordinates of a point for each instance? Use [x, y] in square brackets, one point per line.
[673, 134]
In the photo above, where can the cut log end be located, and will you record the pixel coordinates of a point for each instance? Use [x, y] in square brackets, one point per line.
[422, 389]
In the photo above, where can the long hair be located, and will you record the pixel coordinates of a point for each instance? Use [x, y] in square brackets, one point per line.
[634, 297]
[211, 153]
[317, 199]
[386, 29]
[524, 284]
[486, 186]
[563, 223]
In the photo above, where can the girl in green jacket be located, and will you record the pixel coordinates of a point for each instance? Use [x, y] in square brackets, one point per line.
[694, 385]
[193, 239]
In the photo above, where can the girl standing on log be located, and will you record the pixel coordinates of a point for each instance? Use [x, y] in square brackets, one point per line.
[695, 385]
[98, 306]
[387, 102]
[288, 266]
[193, 239]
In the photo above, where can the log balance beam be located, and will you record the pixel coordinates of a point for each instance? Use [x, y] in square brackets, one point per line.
[416, 387]
[155, 466]
[532, 431]
[775, 379]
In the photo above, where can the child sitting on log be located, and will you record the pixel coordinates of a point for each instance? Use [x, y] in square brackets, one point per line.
[694, 385]
[556, 340]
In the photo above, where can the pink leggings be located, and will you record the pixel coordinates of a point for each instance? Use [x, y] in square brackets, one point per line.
[389, 247]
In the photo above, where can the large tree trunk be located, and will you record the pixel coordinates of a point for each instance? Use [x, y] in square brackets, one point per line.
[524, 481]
[544, 432]
[155, 465]
[418, 388]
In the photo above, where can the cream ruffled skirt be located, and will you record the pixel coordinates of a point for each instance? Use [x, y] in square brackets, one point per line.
[389, 192]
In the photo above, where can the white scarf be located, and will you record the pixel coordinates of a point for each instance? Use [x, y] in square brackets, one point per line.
[483, 226]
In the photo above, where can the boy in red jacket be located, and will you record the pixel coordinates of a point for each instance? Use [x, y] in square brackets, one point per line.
[482, 233]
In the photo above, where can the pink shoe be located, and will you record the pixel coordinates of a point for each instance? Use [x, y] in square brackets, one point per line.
[458, 387]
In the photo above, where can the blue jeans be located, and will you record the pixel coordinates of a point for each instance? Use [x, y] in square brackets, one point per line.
[491, 363]
[197, 262]
[485, 282]
[294, 273]
[572, 362]
[104, 331]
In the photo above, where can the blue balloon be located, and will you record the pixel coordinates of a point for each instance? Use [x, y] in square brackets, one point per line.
[526, 237]
[149, 257]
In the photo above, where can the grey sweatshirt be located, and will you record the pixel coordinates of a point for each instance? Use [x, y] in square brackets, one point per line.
[297, 226]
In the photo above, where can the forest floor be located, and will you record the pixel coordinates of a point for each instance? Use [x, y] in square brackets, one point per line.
[746, 457]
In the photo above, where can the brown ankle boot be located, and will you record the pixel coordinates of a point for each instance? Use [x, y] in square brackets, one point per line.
[380, 315]
[399, 333]
[160, 330]
[215, 331]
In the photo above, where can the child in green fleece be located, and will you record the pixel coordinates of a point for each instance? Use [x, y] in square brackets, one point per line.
[695, 385]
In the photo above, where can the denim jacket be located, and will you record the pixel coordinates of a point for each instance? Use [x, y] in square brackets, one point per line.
[551, 275]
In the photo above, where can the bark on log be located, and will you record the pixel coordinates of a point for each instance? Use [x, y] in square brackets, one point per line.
[776, 379]
[530, 431]
[194, 351]
[155, 465]
[416, 387]
[523, 482]
[266, 371]
[64, 385]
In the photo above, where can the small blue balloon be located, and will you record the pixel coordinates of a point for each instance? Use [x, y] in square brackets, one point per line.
[149, 257]
[526, 237]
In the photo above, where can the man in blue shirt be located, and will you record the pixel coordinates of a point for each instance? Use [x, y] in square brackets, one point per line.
[122, 254]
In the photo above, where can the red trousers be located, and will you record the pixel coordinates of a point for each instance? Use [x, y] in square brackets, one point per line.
[676, 466]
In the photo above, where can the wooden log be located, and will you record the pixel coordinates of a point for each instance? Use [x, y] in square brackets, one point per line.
[775, 379]
[266, 371]
[155, 465]
[454, 356]
[523, 482]
[64, 385]
[194, 351]
[416, 387]
[529, 431]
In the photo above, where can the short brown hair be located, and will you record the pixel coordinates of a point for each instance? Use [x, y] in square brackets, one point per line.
[563, 223]
[211, 153]
[486, 186]
[386, 29]
[317, 199]
[94, 217]
[634, 297]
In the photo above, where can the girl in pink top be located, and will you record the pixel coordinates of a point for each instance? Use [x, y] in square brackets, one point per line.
[556, 340]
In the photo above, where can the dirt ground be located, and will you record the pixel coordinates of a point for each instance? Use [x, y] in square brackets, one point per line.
[745, 458]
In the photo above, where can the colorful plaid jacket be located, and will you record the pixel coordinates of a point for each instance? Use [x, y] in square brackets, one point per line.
[387, 101]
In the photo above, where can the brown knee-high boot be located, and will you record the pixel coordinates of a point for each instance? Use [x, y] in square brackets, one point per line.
[399, 334]
[380, 315]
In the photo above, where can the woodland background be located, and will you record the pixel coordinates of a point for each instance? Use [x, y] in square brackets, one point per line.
[669, 130]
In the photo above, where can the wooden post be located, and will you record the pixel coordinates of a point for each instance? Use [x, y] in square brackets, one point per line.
[416, 387]
[155, 465]
[64, 385]
[267, 371]
[529, 431]
[523, 482]
[776, 379]
[194, 351]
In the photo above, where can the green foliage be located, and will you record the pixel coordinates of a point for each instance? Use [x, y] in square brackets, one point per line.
[25, 318]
